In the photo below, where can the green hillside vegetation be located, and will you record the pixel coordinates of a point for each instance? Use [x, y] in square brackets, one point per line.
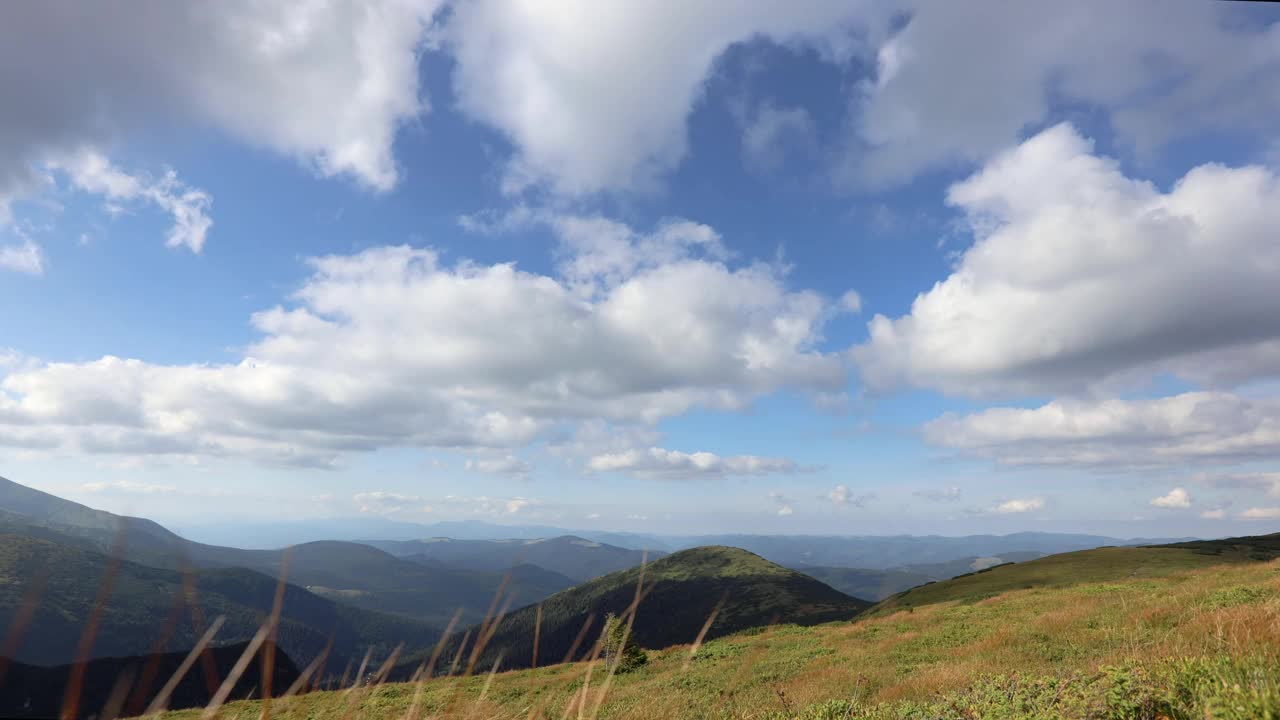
[680, 592]
[32, 691]
[1086, 566]
[369, 578]
[1180, 633]
[567, 555]
[66, 581]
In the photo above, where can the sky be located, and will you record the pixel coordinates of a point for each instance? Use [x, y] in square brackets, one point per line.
[852, 267]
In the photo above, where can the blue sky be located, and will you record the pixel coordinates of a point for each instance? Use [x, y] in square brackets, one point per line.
[836, 267]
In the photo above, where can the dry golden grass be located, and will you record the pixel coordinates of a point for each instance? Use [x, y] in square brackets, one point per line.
[1229, 610]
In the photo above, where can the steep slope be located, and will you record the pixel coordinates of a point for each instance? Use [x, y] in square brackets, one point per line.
[65, 581]
[369, 578]
[352, 573]
[567, 555]
[30, 511]
[681, 590]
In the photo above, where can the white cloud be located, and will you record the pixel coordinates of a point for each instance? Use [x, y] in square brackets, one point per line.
[25, 258]
[548, 77]
[1156, 70]
[92, 172]
[1019, 505]
[785, 506]
[1215, 514]
[841, 495]
[665, 464]
[851, 302]
[1080, 276]
[1201, 427]
[1268, 482]
[392, 348]
[1261, 513]
[507, 465]
[550, 85]
[327, 82]
[1176, 498]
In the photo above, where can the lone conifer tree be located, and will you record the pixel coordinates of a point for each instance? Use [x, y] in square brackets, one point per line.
[620, 649]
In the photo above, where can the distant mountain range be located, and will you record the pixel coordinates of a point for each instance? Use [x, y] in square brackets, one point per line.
[357, 574]
[877, 552]
[877, 585]
[567, 555]
[391, 589]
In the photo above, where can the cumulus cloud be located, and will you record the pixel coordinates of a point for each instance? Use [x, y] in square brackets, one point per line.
[550, 87]
[665, 464]
[1080, 276]
[1261, 513]
[329, 83]
[92, 172]
[548, 77]
[1157, 71]
[26, 257]
[1019, 505]
[391, 347]
[841, 495]
[1175, 499]
[1200, 427]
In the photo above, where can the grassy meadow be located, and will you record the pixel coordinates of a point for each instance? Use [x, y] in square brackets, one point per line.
[1130, 633]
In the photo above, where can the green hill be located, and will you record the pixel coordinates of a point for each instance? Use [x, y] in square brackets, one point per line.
[567, 555]
[680, 592]
[143, 599]
[1100, 565]
[1189, 632]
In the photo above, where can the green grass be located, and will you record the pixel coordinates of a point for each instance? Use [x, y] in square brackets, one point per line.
[1129, 634]
[1087, 566]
